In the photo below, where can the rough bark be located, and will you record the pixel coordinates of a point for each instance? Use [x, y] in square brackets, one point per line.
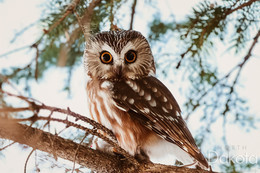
[66, 149]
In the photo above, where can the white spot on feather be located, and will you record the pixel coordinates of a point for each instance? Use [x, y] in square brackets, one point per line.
[165, 110]
[169, 106]
[136, 88]
[171, 118]
[141, 93]
[124, 98]
[146, 110]
[130, 83]
[106, 84]
[154, 89]
[131, 101]
[133, 85]
[164, 99]
[185, 148]
[148, 97]
[152, 103]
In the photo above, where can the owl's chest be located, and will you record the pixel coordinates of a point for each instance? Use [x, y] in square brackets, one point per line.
[102, 108]
[100, 104]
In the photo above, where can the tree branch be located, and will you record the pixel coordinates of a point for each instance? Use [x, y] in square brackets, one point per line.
[96, 160]
[241, 6]
[238, 66]
[68, 11]
[204, 33]
[66, 149]
[85, 20]
[63, 148]
[132, 15]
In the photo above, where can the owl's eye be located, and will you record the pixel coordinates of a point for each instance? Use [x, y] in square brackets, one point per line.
[130, 56]
[106, 57]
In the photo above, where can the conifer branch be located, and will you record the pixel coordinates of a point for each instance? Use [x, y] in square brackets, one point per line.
[241, 6]
[68, 11]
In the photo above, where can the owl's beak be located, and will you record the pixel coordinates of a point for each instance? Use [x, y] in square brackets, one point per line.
[118, 70]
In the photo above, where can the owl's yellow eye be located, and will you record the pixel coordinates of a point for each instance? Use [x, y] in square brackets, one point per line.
[130, 56]
[106, 57]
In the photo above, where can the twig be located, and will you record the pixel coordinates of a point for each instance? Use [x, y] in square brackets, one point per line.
[1, 149]
[26, 162]
[19, 33]
[15, 50]
[78, 117]
[68, 11]
[37, 107]
[132, 15]
[35, 45]
[241, 6]
[39, 139]
[76, 152]
[90, 131]
[10, 109]
[239, 66]
[216, 19]
[182, 56]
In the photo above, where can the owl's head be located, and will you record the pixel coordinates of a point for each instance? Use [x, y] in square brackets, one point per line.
[116, 55]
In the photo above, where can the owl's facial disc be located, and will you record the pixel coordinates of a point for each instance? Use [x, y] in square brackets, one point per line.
[116, 55]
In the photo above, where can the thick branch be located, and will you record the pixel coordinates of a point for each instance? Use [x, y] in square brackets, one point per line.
[66, 149]
[63, 148]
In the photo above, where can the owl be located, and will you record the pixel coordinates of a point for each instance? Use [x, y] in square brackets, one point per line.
[125, 96]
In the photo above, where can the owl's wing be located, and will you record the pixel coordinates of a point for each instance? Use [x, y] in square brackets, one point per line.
[149, 101]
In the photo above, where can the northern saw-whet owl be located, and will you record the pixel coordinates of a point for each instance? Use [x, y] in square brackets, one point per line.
[125, 96]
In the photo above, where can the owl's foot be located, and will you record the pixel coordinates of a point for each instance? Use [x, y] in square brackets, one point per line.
[142, 157]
